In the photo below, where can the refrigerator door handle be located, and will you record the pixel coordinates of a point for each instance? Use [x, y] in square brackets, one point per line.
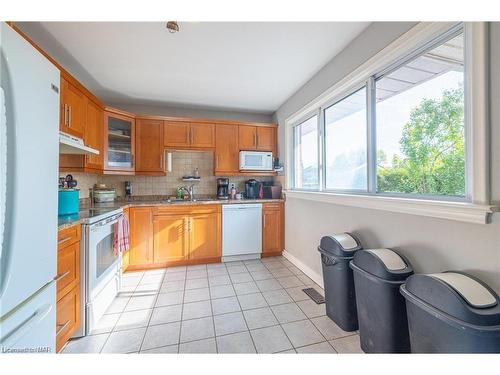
[20, 331]
[7, 182]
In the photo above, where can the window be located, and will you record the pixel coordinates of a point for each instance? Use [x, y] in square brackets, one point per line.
[400, 131]
[420, 124]
[306, 168]
[345, 143]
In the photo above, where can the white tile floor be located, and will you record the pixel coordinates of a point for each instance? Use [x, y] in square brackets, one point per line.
[255, 306]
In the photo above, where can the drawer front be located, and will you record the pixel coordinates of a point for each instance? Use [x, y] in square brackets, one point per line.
[272, 206]
[67, 236]
[68, 268]
[187, 209]
[67, 317]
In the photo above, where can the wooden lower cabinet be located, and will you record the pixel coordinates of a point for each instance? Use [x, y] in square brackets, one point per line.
[141, 237]
[68, 285]
[170, 238]
[205, 237]
[174, 235]
[272, 229]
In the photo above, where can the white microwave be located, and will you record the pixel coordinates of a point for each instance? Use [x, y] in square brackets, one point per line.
[256, 161]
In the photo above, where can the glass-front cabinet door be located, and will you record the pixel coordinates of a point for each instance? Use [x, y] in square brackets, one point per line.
[119, 140]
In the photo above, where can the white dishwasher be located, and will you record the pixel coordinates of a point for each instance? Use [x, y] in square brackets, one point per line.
[241, 231]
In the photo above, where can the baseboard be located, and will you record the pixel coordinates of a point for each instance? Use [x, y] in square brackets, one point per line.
[314, 276]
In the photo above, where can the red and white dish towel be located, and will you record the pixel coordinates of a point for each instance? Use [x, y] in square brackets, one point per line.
[121, 238]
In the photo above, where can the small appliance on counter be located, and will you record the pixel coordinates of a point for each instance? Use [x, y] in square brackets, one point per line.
[271, 191]
[128, 189]
[68, 202]
[223, 188]
[102, 194]
[253, 189]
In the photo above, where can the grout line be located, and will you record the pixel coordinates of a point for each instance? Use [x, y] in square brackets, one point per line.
[213, 319]
[121, 313]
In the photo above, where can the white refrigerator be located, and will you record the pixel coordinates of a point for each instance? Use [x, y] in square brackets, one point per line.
[29, 148]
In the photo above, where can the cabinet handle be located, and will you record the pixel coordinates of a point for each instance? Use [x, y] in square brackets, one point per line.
[257, 136]
[190, 136]
[61, 327]
[60, 242]
[69, 116]
[65, 114]
[254, 140]
[61, 276]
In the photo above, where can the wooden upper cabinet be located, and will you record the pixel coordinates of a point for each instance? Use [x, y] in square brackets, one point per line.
[272, 229]
[247, 138]
[204, 236]
[202, 135]
[141, 235]
[72, 114]
[266, 139]
[170, 238]
[226, 149]
[119, 142]
[179, 134]
[262, 138]
[149, 150]
[176, 134]
[94, 134]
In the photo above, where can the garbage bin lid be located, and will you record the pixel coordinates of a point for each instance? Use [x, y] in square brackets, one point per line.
[391, 259]
[457, 294]
[384, 263]
[340, 244]
[472, 291]
[345, 240]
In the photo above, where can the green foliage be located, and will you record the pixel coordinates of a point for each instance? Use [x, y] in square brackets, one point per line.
[433, 147]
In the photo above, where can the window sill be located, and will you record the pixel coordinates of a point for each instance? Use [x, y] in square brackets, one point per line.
[459, 211]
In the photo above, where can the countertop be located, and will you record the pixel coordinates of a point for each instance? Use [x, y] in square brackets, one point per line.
[85, 210]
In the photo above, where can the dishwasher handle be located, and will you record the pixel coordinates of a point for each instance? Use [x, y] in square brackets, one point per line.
[241, 206]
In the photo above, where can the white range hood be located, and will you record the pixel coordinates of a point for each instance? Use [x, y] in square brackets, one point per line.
[69, 144]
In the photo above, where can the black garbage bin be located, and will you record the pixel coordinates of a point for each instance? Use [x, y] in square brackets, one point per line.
[452, 312]
[378, 274]
[336, 252]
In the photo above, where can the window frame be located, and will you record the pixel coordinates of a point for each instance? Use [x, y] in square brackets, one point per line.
[369, 84]
[305, 118]
[323, 109]
[444, 37]
[475, 205]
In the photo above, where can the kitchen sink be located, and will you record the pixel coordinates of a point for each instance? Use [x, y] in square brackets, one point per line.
[176, 200]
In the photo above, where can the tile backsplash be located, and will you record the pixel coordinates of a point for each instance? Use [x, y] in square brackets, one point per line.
[183, 163]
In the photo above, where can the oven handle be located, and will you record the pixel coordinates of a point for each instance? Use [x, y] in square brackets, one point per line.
[112, 220]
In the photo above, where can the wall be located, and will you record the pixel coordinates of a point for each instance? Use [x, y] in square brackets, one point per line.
[183, 163]
[431, 244]
[196, 112]
[45, 40]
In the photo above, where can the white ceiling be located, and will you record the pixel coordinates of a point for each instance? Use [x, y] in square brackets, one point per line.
[241, 66]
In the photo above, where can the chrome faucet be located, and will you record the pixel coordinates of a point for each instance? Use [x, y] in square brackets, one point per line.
[189, 190]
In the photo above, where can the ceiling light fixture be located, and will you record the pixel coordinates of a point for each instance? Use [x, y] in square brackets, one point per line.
[172, 27]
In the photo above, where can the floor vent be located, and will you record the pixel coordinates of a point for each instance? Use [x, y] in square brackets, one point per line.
[314, 295]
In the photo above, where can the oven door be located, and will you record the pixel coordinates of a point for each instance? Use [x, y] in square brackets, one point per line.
[103, 264]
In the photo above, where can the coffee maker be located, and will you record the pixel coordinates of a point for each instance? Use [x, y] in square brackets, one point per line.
[252, 189]
[223, 188]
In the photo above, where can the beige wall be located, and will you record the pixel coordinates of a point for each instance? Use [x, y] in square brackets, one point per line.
[431, 245]
[183, 163]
